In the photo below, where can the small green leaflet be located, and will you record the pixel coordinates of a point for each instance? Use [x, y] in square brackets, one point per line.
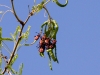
[38, 7]
[31, 43]
[18, 29]
[51, 29]
[11, 69]
[26, 34]
[50, 64]
[59, 4]
[14, 36]
[50, 51]
[45, 23]
[54, 30]
[3, 39]
[20, 69]
[42, 54]
[14, 59]
[56, 53]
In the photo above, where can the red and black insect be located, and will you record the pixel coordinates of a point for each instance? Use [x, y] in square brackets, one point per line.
[41, 50]
[54, 41]
[44, 37]
[37, 37]
[47, 41]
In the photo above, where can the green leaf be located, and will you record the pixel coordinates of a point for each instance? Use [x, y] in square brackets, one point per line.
[47, 32]
[42, 54]
[50, 64]
[26, 34]
[38, 7]
[2, 39]
[52, 54]
[18, 29]
[10, 39]
[14, 59]
[14, 36]
[21, 69]
[45, 28]
[31, 43]
[56, 53]
[59, 4]
[44, 24]
[11, 69]
[27, 45]
[54, 30]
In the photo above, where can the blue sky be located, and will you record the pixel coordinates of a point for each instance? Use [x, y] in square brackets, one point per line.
[78, 38]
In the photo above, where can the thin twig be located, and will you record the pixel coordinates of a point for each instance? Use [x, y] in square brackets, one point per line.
[32, 12]
[5, 6]
[14, 50]
[21, 22]
[29, 8]
[4, 14]
[34, 2]
[19, 38]
[7, 48]
[47, 2]
[5, 60]
[9, 73]
[27, 18]
[47, 13]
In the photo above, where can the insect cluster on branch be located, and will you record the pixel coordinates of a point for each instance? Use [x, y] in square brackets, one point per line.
[45, 43]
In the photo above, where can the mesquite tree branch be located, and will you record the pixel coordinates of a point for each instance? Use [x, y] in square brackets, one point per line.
[47, 13]
[19, 38]
[14, 50]
[20, 35]
[21, 22]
